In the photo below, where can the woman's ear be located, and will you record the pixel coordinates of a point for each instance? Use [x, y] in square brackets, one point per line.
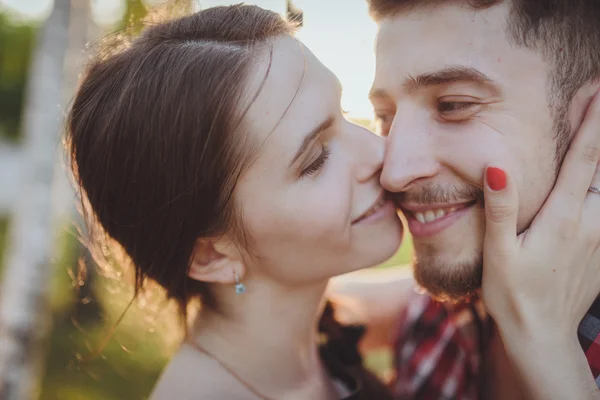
[209, 265]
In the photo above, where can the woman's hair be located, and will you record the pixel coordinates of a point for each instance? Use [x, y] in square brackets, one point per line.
[156, 139]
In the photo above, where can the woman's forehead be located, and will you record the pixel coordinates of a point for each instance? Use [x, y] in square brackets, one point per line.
[290, 76]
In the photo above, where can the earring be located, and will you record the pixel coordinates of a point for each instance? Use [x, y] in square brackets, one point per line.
[240, 288]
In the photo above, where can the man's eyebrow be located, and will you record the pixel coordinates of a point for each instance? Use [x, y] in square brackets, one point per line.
[450, 74]
[323, 126]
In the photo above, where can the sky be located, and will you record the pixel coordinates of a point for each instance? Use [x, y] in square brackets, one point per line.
[342, 40]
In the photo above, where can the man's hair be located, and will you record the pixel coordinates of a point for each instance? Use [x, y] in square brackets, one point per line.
[566, 32]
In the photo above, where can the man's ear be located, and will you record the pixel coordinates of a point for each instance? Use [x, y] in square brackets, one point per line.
[210, 265]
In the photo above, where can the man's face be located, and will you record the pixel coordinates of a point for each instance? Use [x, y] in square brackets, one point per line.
[453, 95]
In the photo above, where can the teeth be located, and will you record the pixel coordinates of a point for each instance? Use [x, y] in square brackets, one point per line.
[432, 215]
[429, 216]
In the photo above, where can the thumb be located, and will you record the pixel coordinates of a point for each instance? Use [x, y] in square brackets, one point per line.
[501, 208]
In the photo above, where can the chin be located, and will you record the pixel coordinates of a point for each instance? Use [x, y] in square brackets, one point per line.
[449, 279]
[376, 249]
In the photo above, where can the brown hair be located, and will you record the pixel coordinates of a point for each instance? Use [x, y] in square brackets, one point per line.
[566, 32]
[156, 141]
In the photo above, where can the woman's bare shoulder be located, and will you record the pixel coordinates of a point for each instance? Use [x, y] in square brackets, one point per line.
[193, 376]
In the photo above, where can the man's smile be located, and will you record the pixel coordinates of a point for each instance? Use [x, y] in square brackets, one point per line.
[425, 220]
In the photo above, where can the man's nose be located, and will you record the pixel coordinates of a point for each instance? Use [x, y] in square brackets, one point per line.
[409, 158]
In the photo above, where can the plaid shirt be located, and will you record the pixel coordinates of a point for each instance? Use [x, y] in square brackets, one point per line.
[440, 349]
[589, 338]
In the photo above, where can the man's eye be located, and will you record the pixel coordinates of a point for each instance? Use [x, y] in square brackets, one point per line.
[383, 123]
[383, 118]
[457, 110]
[450, 106]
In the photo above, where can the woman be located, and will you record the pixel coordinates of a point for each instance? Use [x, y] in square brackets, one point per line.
[213, 150]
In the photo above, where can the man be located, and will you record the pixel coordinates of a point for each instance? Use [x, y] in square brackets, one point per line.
[459, 85]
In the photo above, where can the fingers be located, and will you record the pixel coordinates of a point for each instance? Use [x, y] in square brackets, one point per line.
[501, 210]
[580, 164]
[591, 195]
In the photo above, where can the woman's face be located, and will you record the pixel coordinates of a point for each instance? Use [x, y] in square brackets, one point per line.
[311, 203]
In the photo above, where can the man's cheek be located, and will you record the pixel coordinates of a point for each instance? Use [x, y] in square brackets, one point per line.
[467, 153]
[468, 161]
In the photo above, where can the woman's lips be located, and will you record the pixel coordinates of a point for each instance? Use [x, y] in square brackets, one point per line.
[380, 202]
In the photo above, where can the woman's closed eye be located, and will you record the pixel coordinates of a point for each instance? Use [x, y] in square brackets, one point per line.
[318, 163]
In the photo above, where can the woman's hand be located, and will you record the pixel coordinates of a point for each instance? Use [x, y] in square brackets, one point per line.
[538, 285]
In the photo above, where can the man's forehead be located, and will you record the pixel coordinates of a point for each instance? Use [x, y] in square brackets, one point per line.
[448, 15]
[410, 44]
[448, 29]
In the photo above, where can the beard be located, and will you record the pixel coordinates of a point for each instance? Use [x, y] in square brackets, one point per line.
[444, 281]
[439, 275]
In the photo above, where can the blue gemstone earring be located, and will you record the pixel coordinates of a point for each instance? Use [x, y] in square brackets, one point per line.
[240, 288]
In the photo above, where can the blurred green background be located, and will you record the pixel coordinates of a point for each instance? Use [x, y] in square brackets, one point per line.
[82, 318]
[85, 304]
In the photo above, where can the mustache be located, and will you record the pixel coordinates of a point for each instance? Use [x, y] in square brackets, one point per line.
[435, 194]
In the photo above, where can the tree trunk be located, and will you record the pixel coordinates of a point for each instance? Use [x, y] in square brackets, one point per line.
[24, 305]
[11, 157]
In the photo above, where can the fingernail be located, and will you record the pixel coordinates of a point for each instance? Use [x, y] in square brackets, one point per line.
[496, 178]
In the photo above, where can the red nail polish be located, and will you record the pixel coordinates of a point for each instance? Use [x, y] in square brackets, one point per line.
[496, 178]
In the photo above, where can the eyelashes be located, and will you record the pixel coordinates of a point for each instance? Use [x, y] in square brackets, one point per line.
[455, 111]
[316, 165]
[453, 106]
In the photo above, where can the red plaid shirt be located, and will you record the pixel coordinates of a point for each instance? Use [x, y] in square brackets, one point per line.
[440, 349]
